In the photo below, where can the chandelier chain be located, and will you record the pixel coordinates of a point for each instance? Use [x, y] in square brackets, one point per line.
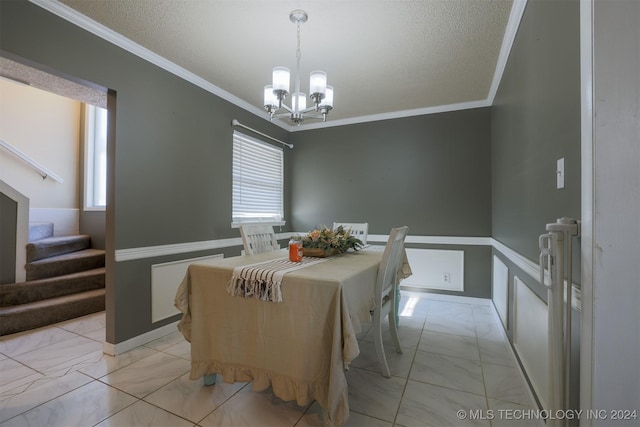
[296, 107]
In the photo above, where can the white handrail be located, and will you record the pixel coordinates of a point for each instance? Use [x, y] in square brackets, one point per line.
[43, 171]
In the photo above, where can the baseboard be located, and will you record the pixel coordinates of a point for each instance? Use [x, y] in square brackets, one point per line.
[147, 337]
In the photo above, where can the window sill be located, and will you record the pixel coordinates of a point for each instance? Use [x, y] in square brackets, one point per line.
[273, 223]
[95, 208]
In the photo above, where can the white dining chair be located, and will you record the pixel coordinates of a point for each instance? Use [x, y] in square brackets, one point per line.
[359, 230]
[386, 294]
[258, 238]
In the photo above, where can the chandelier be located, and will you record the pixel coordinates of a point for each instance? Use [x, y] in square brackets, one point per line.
[320, 93]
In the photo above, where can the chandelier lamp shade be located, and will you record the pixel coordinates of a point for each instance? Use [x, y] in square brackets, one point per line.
[276, 93]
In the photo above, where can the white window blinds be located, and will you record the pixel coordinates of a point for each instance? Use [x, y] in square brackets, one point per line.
[258, 176]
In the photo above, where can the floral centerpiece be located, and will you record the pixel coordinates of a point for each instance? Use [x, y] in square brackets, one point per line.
[324, 242]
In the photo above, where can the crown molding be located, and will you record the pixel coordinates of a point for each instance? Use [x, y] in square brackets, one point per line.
[394, 115]
[515, 16]
[71, 15]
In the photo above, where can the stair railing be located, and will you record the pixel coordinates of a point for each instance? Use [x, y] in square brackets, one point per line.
[43, 171]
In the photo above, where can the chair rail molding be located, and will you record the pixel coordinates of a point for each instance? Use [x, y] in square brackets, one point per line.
[527, 266]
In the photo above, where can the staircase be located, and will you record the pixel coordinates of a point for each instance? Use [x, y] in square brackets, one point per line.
[65, 280]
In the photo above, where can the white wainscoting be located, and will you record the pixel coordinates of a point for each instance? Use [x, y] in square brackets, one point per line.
[530, 336]
[430, 266]
[500, 289]
[165, 279]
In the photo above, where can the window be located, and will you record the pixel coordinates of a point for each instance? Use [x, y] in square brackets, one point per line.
[258, 170]
[95, 187]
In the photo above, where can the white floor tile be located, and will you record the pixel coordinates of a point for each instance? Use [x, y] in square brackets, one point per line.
[434, 406]
[450, 325]
[84, 406]
[508, 414]
[142, 414]
[147, 375]
[450, 345]
[61, 356]
[248, 408]
[39, 392]
[505, 383]
[448, 371]
[192, 400]
[85, 324]
[399, 363]
[374, 395]
[107, 364]
[25, 342]
[13, 371]
[456, 357]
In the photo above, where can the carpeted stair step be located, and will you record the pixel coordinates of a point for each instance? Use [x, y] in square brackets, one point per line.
[54, 246]
[33, 315]
[87, 259]
[40, 230]
[52, 287]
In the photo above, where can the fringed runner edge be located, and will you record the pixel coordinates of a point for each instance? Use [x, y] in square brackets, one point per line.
[264, 290]
[262, 280]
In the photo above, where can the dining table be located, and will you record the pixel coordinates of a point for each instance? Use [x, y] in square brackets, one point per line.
[300, 342]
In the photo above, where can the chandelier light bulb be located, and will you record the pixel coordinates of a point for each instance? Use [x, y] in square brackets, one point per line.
[299, 101]
[318, 82]
[270, 99]
[327, 101]
[281, 77]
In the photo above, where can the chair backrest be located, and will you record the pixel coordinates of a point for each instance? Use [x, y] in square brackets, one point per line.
[388, 269]
[359, 230]
[258, 238]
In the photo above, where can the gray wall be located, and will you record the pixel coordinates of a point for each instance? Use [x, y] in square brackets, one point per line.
[431, 173]
[535, 120]
[170, 182]
[93, 224]
[8, 227]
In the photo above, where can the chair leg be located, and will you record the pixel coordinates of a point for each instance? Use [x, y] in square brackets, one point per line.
[397, 305]
[379, 346]
[393, 320]
[394, 331]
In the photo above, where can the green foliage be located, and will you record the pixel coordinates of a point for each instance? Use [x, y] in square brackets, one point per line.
[330, 240]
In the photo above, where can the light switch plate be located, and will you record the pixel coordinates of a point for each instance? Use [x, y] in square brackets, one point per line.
[560, 173]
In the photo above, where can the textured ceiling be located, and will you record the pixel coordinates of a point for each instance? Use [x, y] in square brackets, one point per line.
[24, 74]
[384, 58]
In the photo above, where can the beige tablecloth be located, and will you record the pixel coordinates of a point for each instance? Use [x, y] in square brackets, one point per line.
[299, 347]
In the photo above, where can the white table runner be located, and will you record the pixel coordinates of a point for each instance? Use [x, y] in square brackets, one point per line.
[262, 280]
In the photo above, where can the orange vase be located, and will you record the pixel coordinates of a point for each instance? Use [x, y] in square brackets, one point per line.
[295, 251]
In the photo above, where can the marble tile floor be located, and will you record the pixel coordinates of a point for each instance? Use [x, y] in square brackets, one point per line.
[455, 358]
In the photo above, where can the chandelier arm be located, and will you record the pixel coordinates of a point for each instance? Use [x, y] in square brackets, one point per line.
[308, 110]
[280, 115]
[316, 116]
[286, 107]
